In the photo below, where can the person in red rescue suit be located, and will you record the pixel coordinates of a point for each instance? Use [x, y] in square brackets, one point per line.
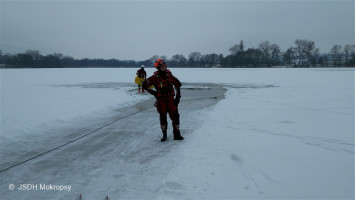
[141, 73]
[164, 83]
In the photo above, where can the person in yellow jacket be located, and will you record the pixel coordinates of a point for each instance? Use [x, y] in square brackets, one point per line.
[141, 76]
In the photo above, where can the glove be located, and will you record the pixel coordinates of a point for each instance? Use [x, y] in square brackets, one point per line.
[153, 93]
[177, 100]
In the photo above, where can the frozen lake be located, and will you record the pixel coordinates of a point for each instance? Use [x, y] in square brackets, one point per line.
[249, 133]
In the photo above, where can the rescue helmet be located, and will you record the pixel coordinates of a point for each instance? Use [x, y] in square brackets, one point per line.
[159, 63]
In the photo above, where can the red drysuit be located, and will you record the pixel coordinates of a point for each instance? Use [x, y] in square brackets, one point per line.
[164, 83]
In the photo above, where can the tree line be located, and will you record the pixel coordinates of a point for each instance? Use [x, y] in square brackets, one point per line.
[303, 54]
[33, 59]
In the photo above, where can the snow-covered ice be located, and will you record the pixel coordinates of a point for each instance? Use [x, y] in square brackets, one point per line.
[274, 134]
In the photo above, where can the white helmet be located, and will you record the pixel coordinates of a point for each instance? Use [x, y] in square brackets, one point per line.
[142, 66]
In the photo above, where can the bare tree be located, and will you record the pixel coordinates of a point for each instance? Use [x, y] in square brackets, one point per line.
[315, 57]
[2, 61]
[178, 60]
[34, 54]
[237, 48]
[310, 51]
[290, 56]
[335, 53]
[153, 59]
[194, 58]
[211, 60]
[304, 50]
[348, 51]
[253, 57]
[163, 57]
[266, 50]
[275, 54]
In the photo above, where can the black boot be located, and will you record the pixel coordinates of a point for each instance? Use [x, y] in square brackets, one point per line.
[163, 139]
[176, 126]
[177, 135]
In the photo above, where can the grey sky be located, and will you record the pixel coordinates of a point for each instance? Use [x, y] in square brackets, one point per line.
[140, 29]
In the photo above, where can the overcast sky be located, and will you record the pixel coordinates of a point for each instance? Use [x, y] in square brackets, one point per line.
[137, 30]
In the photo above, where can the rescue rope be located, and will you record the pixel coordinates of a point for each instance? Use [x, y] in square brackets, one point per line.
[97, 129]
[75, 139]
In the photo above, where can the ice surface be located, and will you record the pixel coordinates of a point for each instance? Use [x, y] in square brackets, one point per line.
[276, 133]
